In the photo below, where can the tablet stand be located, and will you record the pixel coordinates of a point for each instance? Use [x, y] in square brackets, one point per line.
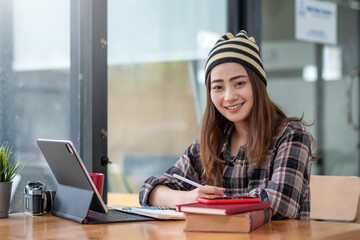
[72, 203]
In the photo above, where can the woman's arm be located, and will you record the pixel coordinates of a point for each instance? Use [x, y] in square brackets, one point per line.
[166, 190]
[164, 196]
[288, 190]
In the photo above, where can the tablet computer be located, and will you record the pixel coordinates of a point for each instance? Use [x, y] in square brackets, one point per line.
[76, 196]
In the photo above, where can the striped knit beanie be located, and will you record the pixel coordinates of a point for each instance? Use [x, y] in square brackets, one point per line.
[240, 49]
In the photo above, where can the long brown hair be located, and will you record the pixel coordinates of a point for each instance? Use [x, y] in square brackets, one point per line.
[264, 122]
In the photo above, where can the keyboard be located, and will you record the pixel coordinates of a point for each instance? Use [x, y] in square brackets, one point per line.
[114, 216]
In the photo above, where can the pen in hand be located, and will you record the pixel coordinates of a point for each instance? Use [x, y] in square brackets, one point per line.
[195, 184]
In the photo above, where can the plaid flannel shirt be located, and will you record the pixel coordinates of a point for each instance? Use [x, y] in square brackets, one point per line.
[282, 178]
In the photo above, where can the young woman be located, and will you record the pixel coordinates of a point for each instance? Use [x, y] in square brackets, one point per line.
[247, 144]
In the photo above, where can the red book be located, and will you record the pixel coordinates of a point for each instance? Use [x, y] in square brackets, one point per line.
[236, 223]
[221, 209]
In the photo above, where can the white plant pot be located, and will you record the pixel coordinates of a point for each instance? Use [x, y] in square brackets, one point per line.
[5, 195]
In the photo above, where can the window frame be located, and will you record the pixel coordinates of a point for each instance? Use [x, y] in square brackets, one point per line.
[88, 77]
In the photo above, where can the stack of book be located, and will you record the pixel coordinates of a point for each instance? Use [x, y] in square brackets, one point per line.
[236, 218]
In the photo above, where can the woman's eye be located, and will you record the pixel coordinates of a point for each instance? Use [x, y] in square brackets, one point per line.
[240, 83]
[216, 87]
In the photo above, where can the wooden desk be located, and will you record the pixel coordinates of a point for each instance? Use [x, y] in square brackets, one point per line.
[25, 226]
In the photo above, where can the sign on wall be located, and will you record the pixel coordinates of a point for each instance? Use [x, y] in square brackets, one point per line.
[316, 21]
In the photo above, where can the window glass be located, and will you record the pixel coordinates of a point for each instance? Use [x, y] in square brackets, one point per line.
[34, 89]
[156, 84]
[293, 67]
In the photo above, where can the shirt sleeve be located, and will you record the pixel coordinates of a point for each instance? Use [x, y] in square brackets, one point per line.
[188, 166]
[288, 189]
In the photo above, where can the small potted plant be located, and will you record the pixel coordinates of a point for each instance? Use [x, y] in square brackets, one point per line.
[9, 168]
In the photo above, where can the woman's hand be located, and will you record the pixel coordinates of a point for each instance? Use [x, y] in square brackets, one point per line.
[206, 191]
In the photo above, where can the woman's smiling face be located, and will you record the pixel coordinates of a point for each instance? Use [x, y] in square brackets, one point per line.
[231, 91]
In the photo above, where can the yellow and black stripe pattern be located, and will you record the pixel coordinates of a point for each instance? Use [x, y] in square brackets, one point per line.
[240, 49]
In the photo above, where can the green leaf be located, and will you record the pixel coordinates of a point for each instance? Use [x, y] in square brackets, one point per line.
[9, 166]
